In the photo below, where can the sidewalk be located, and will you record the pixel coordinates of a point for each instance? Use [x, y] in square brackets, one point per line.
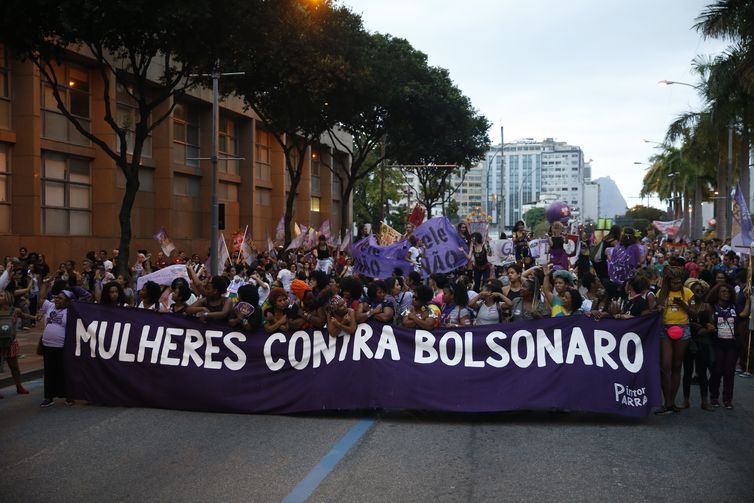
[30, 363]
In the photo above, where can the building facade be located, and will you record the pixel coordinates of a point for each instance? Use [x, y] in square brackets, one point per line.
[61, 195]
[535, 168]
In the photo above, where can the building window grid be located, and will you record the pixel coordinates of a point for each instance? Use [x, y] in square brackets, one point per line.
[263, 162]
[127, 116]
[228, 145]
[76, 97]
[66, 195]
[5, 188]
[186, 125]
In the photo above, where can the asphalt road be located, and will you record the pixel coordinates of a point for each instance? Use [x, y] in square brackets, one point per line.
[89, 453]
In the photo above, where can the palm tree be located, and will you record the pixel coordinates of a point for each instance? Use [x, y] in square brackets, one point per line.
[732, 20]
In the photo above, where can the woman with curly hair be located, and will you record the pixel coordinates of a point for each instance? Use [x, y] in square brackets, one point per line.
[673, 299]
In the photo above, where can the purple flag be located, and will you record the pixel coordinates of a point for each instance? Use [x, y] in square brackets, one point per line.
[742, 232]
[138, 358]
[442, 250]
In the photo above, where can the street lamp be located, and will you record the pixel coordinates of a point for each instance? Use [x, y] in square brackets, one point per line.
[726, 207]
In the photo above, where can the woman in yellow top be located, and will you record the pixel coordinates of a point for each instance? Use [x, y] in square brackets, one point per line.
[674, 300]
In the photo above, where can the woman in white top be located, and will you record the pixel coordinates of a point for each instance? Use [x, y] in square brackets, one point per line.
[55, 317]
[489, 305]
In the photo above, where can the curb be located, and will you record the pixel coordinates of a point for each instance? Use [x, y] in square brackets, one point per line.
[25, 377]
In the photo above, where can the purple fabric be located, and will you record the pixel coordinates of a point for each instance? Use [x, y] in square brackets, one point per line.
[443, 250]
[170, 361]
[623, 262]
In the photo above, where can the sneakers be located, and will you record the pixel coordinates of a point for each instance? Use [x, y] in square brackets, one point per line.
[47, 402]
[728, 405]
[715, 402]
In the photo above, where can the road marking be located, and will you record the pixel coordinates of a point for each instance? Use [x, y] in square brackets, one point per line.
[314, 478]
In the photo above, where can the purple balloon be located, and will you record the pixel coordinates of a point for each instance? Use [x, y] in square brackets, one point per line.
[558, 211]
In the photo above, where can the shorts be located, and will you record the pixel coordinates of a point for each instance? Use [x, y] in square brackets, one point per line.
[685, 337]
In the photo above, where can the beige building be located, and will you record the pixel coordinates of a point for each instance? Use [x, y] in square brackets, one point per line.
[60, 194]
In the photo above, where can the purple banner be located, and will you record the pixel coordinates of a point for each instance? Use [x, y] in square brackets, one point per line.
[138, 358]
[442, 250]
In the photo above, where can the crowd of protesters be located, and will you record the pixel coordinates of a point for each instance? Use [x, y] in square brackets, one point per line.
[701, 289]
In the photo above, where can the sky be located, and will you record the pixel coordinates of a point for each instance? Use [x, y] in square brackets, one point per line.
[581, 71]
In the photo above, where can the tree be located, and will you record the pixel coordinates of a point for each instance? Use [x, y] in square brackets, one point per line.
[301, 68]
[127, 41]
[367, 201]
[452, 210]
[645, 213]
[534, 216]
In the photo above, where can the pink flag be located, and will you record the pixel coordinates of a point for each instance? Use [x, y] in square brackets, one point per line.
[246, 251]
[346, 240]
[670, 228]
[165, 242]
[280, 230]
[324, 230]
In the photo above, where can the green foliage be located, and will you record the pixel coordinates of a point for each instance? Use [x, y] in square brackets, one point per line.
[534, 217]
[451, 210]
[645, 212]
[367, 201]
[540, 230]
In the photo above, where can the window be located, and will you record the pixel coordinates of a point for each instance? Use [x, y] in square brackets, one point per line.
[4, 188]
[263, 155]
[264, 197]
[185, 185]
[227, 191]
[186, 135]
[336, 186]
[146, 179]
[4, 89]
[127, 116]
[66, 195]
[228, 145]
[315, 170]
[315, 203]
[73, 87]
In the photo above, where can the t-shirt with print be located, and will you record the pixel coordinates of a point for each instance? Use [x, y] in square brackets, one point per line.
[725, 321]
[55, 321]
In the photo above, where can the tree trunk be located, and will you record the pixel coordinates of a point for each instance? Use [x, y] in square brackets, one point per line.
[743, 168]
[124, 217]
[696, 215]
[723, 190]
[345, 196]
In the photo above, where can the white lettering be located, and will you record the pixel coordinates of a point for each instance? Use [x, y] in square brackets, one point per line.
[387, 343]
[530, 351]
[498, 350]
[363, 334]
[468, 352]
[306, 350]
[240, 360]
[619, 389]
[106, 354]
[210, 349]
[424, 351]
[577, 347]
[168, 346]
[344, 348]
[553, 349]
[602, 352]
[457, 349]
[322, 348]
[153, 346]
[273, 364]
[87, 335]
[631, 366]
[191, 343]
[123, 354]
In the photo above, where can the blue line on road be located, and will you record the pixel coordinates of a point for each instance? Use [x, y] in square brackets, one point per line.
[314, 478]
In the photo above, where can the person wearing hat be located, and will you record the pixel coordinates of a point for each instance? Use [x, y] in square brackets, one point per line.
[55, 316]
[341, 319]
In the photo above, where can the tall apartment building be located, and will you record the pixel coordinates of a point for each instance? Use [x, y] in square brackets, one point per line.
[535, 168]
[61, 195]
[471, 192]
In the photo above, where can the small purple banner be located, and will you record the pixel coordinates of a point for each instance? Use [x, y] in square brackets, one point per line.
[138, 358]
[443, 251]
